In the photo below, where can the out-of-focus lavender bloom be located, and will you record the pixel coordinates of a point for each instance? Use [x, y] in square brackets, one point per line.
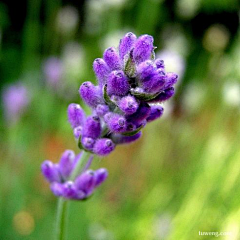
[53, 70]
[16, 99]
[132, 83]
[58, 175]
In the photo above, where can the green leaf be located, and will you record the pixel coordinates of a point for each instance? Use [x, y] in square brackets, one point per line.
[107, 99]
[133, 132]
[143, 96]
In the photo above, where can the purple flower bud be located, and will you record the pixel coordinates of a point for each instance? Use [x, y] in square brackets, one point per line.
[112, 59]
[156, 112]
[16, 99]
[115, 122]
[53, 70]
[101, 70]
[171, 79]
[92, 127]
[141, 114]
[126, 44]
[156, 83]
[117, 83]
[50, 171]
[128, 105]
[77, 132]
[143, 48]
[66, 163]
[121, 139]
[90, 94]
[86, 182]
[159, 63]
[103, 146]
[69, 190]
[145, 71]
[88, 143]
[163, 96]
[101, 110]
[76, 115]
[57, 189]
[101, 175]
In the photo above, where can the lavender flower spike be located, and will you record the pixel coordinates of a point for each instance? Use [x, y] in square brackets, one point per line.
[130, 81]
[59, 177]
[15, 101]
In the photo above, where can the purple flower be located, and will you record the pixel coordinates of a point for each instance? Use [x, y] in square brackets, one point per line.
[103, 146]
[163, 96]
[101, 70]
[115, 122]
[66, 163]
[121, 139]
[15, 101]
[130, 81]
[53, 70]
[112, 59]
[92, 127]
[78, 189]
[90, 94]
[126, 44]
[50, 171]
[143, 48]
[117, 83]
[88, 143]
[128, 105]
[76, 115]
[156, 112]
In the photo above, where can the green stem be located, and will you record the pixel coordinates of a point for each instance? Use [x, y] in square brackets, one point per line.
[61, 222]
[61, 219]
[85, 156]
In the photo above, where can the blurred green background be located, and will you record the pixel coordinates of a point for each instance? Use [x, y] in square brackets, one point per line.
[182, 177]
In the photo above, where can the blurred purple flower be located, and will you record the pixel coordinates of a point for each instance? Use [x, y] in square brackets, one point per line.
[58, 175]
[53, 70]
[16, 98]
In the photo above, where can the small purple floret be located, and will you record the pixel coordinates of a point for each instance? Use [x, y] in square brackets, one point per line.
[126, 44]
[117, 83]
[66, 163]
[76, 115]
[115, 122]
[50, 171]
[101, 175]
[88, 143]
[101, 70]
[163, 96]
[156, 112]
[77, 132]
[112, 59]
[103, 146]
[92, 127]
[90, 94]
[128, 105]
[143, 48]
